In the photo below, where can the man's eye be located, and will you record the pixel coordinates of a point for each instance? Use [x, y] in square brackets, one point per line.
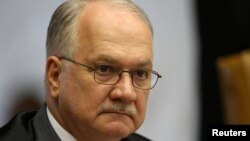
[104, 69]
[141, 74]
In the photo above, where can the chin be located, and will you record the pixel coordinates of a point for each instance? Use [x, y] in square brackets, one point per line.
[118, 130]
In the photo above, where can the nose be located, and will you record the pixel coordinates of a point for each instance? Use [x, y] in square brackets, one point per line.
[124, 89]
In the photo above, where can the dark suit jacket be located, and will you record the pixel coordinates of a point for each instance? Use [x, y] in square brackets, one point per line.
[35, 126]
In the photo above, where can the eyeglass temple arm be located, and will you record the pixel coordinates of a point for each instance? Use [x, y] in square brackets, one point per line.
[72, 61]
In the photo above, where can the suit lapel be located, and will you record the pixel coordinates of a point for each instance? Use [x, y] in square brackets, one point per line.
[42, 127]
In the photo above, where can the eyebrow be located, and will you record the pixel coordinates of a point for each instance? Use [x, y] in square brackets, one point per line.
[112, 60]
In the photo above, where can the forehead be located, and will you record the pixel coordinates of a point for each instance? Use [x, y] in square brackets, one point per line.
[99, 15]
[112, 30]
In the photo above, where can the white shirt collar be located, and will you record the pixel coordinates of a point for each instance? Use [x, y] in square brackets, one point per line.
[60, 131]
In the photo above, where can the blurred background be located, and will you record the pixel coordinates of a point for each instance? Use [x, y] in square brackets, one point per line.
[190, 36]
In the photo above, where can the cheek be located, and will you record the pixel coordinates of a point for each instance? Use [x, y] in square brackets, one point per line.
[82, 94]
[141, 105]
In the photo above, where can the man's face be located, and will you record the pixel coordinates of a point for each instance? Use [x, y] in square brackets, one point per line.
[110, 37]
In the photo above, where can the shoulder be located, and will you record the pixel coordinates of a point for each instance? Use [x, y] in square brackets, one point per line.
[136, 137]
[19, 127]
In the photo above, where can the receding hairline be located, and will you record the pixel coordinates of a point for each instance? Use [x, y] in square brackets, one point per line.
[64, 23]
[118, 5]
[93, 5]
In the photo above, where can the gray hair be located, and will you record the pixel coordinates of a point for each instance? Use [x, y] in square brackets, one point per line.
[61, 35]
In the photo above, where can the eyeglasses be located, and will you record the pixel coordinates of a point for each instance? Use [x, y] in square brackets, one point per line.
[109, 75]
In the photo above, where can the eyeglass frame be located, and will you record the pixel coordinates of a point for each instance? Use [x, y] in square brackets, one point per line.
[119, 74]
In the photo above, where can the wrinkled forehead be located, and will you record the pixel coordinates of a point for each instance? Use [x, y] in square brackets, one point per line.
[112, 30]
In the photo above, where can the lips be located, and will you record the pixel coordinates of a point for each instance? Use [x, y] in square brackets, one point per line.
[119, 109]
[118, 112]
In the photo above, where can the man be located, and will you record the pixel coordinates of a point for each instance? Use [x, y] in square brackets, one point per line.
[98, 75]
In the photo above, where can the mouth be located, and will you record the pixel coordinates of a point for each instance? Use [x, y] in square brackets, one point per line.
[119, 110]
[120, 113]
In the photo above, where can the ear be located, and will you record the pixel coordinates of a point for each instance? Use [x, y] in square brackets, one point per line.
[53, 70]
